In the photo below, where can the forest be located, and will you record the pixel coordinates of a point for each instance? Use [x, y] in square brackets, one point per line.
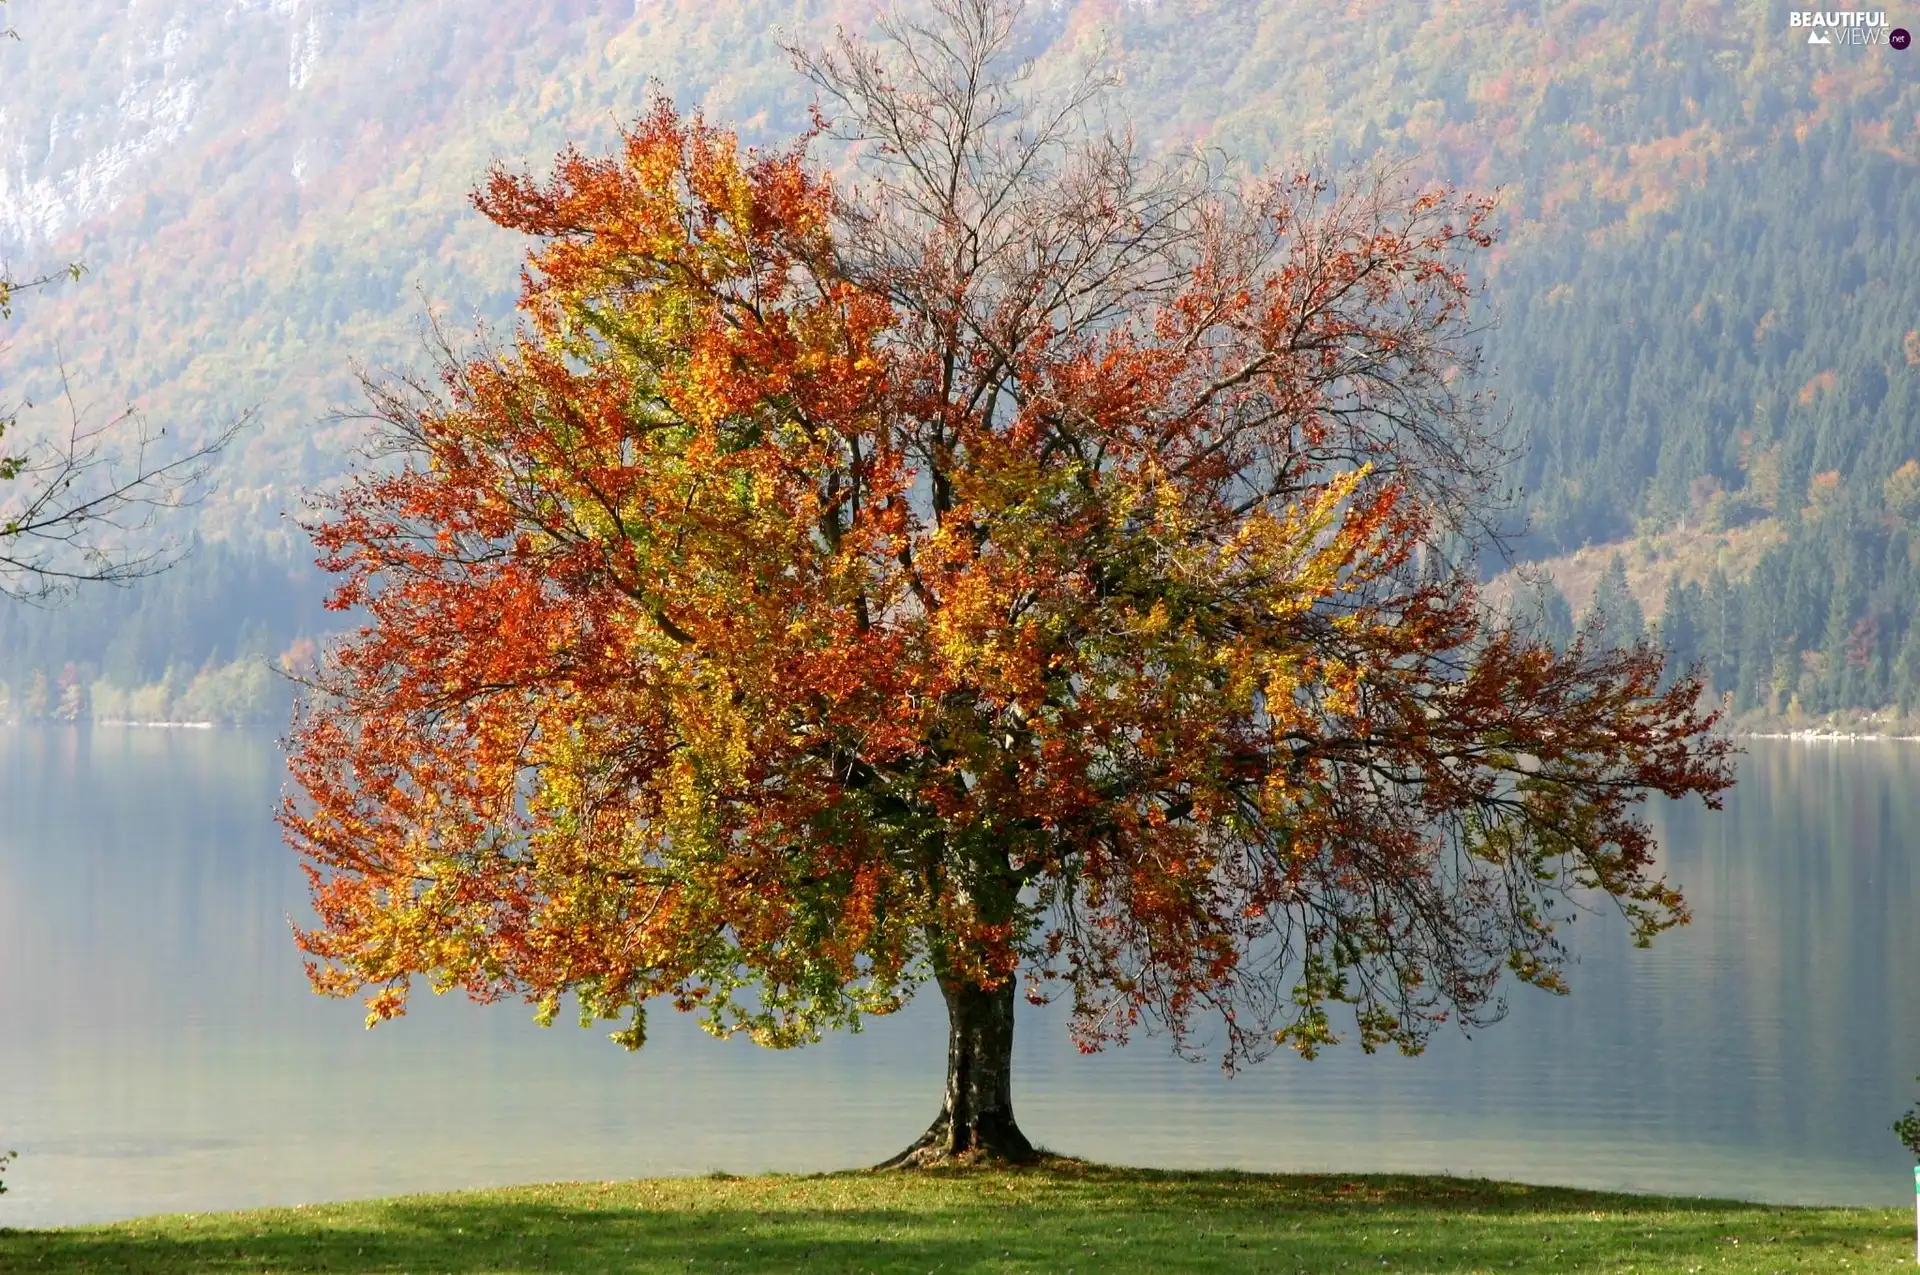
[1702, 321]
[219, 638]
[1735, 370]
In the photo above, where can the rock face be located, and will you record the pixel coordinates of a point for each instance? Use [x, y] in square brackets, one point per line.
[117, 88]
[110, 99]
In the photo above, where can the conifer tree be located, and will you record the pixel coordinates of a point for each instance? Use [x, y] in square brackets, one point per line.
[1680, 625]
[1616, 616]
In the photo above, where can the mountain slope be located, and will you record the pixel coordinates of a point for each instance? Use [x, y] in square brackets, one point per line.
[266, 190]
[1707, 284]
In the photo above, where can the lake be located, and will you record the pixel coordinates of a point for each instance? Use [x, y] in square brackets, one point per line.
[159, 1050]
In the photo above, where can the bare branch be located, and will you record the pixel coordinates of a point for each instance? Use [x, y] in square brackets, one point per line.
[82, 506]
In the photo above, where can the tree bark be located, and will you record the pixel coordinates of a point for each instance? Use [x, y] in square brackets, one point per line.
[976, 1120]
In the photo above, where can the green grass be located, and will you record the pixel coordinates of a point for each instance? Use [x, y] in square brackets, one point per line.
[1067, 1217]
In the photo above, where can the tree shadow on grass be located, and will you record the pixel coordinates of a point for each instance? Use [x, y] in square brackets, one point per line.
[1072, 1218]
[420, 1237]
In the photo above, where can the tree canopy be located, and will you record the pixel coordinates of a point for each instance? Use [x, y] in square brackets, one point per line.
[1025, 566]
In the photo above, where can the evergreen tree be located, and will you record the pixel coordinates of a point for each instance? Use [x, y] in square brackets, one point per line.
[1680, 626]
[1616, 614]
[1540, 610]
[1753, 677]
[1906, 674]
[1720, 630]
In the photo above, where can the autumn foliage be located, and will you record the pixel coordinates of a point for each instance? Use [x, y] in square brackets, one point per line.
[786, 619]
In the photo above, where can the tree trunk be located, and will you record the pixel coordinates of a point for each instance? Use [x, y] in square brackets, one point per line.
[976, 1120]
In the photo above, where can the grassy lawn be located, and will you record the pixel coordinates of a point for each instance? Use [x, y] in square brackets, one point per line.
[1060, 1219]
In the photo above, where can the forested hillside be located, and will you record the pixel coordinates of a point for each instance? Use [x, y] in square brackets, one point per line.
[1747, 362]
[217, 638]
[1709, 311]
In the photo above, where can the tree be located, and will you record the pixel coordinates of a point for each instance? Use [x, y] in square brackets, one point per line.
[1541, 611]
[37, 702]
[1902, 491]
[1720, 630]
[1823, 495]
[1907, 1129]
[1680, 623]
[1024, 569]
[73, 706]
[1616, 613]
[1906, 674]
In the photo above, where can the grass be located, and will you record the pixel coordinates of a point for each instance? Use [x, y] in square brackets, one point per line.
[1064, 1218]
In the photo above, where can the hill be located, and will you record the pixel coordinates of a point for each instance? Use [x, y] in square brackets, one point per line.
[270, 190]
[1708, 304]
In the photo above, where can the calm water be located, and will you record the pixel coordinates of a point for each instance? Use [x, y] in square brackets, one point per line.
[159, 1051]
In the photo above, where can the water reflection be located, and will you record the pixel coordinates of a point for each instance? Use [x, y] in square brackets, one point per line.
[158, 1050]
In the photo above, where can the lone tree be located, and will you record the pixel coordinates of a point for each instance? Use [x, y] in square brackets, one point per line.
[1023, 568]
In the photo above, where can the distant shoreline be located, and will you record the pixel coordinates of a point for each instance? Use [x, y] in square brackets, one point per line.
[119, 722]
[1812, 736]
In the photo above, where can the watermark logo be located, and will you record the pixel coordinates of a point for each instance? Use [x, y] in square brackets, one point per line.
[1844, 26]
[1899, 38]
